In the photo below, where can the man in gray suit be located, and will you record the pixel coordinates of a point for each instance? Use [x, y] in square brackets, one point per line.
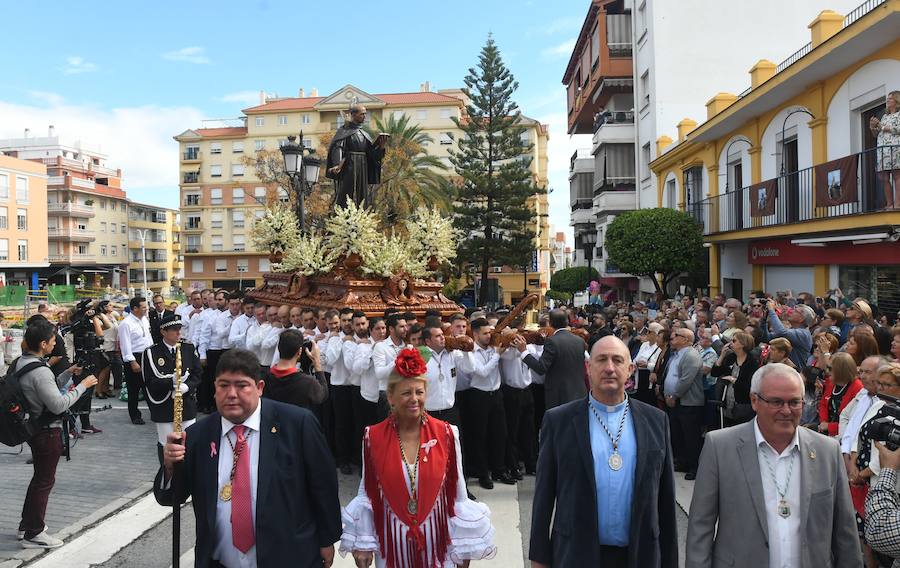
[778, 492]
[683, 388]
[562, 362]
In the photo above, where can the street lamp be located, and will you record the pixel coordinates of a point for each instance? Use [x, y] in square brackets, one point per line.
[142, 233]
[303, 172]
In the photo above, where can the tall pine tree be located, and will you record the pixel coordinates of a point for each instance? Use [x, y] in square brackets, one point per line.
[492, 208]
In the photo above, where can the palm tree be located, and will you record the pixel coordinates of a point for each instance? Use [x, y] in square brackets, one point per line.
[410, 178]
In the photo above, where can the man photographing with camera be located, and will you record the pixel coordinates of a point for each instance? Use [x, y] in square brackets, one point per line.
[883, 506]
[41, 391]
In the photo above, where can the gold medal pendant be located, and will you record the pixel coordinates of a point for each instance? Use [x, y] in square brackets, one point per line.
[225, 495]
[412, 507]
[615, 461]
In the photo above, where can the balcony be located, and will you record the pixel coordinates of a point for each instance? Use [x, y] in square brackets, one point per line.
[193, 227]
[70, 209]
[71, 181]
[190, 177]
[613, 201]
[71, 258]
[794, 201]
[582, 216]
[191, 156]
[71, 234]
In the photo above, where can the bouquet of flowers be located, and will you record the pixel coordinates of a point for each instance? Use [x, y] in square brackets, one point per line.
[431, 234]
[351, 230]
[308, 257]
[391, 255]
[276, 231]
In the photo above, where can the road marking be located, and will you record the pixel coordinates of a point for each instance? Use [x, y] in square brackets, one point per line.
[96, 547]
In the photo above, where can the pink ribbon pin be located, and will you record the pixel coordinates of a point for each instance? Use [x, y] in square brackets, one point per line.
[212, 450]
[427, 447]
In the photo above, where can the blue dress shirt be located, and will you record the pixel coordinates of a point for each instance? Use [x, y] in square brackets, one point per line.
[614, 488]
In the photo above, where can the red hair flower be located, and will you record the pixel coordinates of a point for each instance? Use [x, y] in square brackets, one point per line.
[410, 364]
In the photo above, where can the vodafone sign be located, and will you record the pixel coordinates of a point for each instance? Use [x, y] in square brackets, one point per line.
[782, 252]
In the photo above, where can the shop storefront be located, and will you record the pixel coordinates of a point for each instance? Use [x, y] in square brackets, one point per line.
[870, 270]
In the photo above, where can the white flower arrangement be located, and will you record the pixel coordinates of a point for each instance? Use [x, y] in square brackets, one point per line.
[276, 231]
[308, 257]
[431, 233]
[391, 255]
[350, 230]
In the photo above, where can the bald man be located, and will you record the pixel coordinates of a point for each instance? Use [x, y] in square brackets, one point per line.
[610, 446]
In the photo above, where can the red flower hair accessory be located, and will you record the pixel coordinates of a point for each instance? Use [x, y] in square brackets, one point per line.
[410, 364]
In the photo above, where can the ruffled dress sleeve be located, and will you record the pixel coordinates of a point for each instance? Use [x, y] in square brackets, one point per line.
[471, 531]
[359, 522]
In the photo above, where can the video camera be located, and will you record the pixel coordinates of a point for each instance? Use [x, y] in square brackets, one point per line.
[88, 345]
[887, 428]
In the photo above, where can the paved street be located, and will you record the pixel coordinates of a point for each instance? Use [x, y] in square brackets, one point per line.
[102, 509]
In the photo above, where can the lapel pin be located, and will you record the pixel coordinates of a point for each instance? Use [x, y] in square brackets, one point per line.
[812, 454]
[212, 450]
[274, 429]
[161, 361]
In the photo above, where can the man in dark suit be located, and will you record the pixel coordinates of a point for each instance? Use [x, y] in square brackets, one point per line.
[156, 315]
[261, 476]
[604, 477]
[562, 362]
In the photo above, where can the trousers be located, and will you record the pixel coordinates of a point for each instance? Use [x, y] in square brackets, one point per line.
[46, 449]
[487, 435]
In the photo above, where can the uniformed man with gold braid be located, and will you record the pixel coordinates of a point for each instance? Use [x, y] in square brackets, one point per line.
[158, 366]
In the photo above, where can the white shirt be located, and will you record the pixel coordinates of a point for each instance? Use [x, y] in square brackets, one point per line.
[851, 431]
[223, 548]
[134, 337]
[362, 370]
[513, 370]
[536, 377]
[200, 335]
[184, 312]
[111, 334]
[220, 328]
[441, 392]
[255, 335]
[384, 355]
[334, 356]
[269, 346]
[237, 337]
[347, 357]
[784, 534]
[484, 365]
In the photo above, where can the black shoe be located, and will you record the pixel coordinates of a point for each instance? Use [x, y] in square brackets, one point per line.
[486, 483]
[470, 496]
[690, 476]
[139, 421]
[347, 469]
[504, 478]
[517, 475]
[532, 471]
[681, 468]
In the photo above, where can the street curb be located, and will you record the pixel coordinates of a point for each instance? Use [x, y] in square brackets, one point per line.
[26, 557]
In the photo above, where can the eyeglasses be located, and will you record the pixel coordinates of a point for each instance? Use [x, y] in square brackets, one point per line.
[887, 385]
[777, 403]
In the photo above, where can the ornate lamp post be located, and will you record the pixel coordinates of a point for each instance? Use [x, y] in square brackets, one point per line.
[303, 171]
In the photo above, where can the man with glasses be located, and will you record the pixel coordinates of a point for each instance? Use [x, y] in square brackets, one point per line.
[685, 399]
[769, 493]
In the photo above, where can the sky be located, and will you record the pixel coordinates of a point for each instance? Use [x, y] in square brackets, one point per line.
[130, 76]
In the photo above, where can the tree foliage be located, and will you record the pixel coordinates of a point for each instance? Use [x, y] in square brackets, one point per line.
[571, 280]
[268, 165]
[410, 177]
[648, 242]
[494, 165]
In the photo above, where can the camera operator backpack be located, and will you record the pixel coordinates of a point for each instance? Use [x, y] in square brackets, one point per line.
[17, 424]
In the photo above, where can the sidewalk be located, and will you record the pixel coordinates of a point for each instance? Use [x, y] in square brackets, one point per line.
[108, 471]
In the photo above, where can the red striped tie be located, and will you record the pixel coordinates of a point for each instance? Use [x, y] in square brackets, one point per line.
[241, 503]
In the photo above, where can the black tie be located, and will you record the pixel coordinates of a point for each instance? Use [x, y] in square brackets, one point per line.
[173, 352]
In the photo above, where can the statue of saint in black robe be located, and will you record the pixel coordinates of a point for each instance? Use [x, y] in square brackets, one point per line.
[360, 160]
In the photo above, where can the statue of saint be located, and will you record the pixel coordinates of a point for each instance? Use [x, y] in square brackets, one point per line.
[354, 160]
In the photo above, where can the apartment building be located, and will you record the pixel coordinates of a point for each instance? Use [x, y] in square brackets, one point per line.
[787, 179]
[154, 244]
[220, 197]
[86, 210]
[23, 221]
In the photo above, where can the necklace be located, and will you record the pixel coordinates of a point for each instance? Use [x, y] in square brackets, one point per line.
[834, 391]
[412, 506]
[225, 495]
[615, 460]
[784, 510]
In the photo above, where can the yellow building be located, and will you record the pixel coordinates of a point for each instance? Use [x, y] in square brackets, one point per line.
[220, 197]
[161, 247]
[785, 177]
[23, 220]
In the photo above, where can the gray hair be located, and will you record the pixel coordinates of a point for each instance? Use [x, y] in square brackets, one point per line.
[809, 316]
[780, 369]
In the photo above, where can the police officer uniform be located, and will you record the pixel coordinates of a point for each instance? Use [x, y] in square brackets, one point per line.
[158, 367]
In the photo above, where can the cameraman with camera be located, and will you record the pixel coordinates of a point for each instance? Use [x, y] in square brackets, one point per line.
[41, 389]
[87, 339]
